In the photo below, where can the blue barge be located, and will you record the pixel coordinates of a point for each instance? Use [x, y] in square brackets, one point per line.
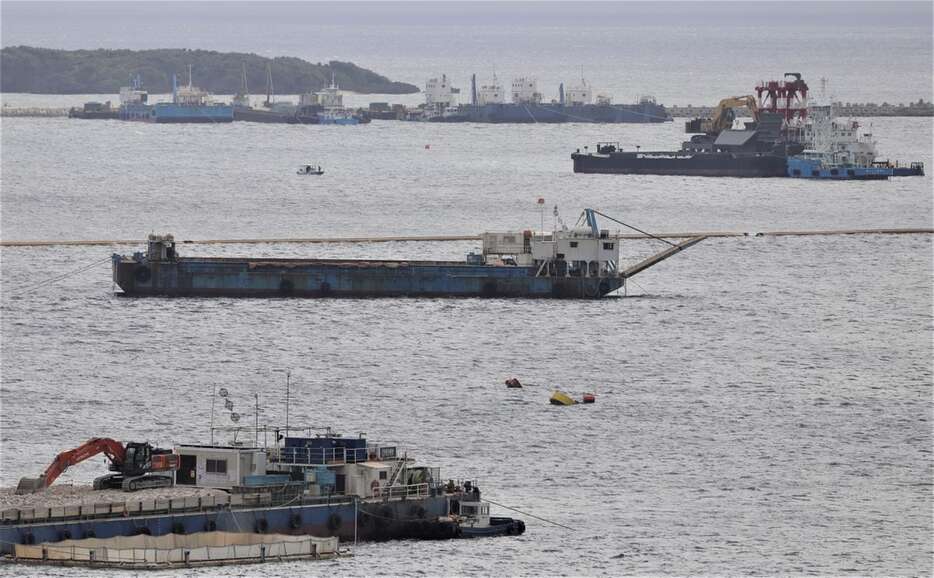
[189, 105]
[581, 263]
[323, 485]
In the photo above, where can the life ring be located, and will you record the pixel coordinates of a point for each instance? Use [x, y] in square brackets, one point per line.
[374, 488]
[286, 286]
[334, 522]
[142, 274]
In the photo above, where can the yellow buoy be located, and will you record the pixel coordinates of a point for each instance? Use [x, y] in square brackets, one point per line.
[561, 398]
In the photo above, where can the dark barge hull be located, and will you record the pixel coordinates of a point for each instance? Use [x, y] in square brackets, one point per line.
[680, 163]
[236, 277]
[647, 112]
[267, 116]
[412, 518]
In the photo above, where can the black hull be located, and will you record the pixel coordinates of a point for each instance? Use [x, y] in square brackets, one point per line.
[685, 164]
[193, 120]
[266, 116]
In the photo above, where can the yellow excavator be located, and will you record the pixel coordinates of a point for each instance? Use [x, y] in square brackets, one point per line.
[723, 115]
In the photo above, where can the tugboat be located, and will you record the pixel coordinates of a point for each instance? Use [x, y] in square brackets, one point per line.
[473, 520]
[581, 262]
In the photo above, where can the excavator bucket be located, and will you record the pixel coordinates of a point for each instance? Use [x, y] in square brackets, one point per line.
[30, 485]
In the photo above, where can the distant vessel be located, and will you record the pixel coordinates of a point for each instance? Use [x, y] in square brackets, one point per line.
[759, 149]
[310, 170]
[189, 104]
[488, 104]
[271, 111]
[839, 149]
[330, 102]
[95, 110]
[580, 262]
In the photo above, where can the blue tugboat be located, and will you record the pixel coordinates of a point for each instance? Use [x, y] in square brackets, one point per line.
[809, 165]
[581, 262]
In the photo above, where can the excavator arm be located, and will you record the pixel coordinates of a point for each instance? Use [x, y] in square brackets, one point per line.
[113, 449]
[723, 117]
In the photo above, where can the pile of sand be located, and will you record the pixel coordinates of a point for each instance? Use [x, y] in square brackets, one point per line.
[70, 495]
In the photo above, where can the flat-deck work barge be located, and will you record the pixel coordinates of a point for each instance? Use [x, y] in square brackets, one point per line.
[324, 486]
[580, 262]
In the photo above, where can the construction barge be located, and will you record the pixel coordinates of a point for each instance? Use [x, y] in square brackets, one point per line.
[581, 262]
[322, 485]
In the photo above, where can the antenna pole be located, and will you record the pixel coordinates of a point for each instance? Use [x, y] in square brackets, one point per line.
[288, 377]
[256, 420]
[213, 397]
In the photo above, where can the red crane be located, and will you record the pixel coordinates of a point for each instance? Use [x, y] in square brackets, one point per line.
[133, 463]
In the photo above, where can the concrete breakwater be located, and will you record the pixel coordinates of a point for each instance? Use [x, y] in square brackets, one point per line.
[851, 109]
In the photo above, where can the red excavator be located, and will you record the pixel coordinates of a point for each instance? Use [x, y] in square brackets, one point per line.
[133, 463]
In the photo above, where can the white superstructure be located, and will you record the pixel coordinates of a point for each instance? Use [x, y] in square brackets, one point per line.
[840, 141]
[580, 94]
[525, 91]
[440, 94]
[581, 251]
[492, 93]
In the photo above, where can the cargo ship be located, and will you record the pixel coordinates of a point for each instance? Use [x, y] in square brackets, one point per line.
[318, 484]
[189, 104]
[322, 107]
[581, 262]
[488, 104]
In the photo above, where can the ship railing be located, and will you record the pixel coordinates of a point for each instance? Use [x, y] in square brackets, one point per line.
[302, 456]
[407, 491]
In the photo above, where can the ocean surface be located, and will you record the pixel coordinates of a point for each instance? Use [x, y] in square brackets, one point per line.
[764, 404]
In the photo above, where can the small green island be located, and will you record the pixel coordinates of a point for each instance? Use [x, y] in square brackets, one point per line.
[28, 69]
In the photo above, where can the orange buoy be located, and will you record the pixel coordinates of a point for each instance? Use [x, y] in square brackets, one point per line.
[589, 398]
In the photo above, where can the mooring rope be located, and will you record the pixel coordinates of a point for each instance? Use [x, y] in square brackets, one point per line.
[61, 277]
[528, 514]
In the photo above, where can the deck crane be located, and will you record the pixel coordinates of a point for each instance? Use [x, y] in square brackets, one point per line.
[136, 466]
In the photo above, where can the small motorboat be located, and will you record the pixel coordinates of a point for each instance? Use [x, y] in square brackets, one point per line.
[310, 170]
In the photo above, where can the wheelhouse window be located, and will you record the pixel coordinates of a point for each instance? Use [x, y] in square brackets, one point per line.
[216, 466]
[608, 246]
